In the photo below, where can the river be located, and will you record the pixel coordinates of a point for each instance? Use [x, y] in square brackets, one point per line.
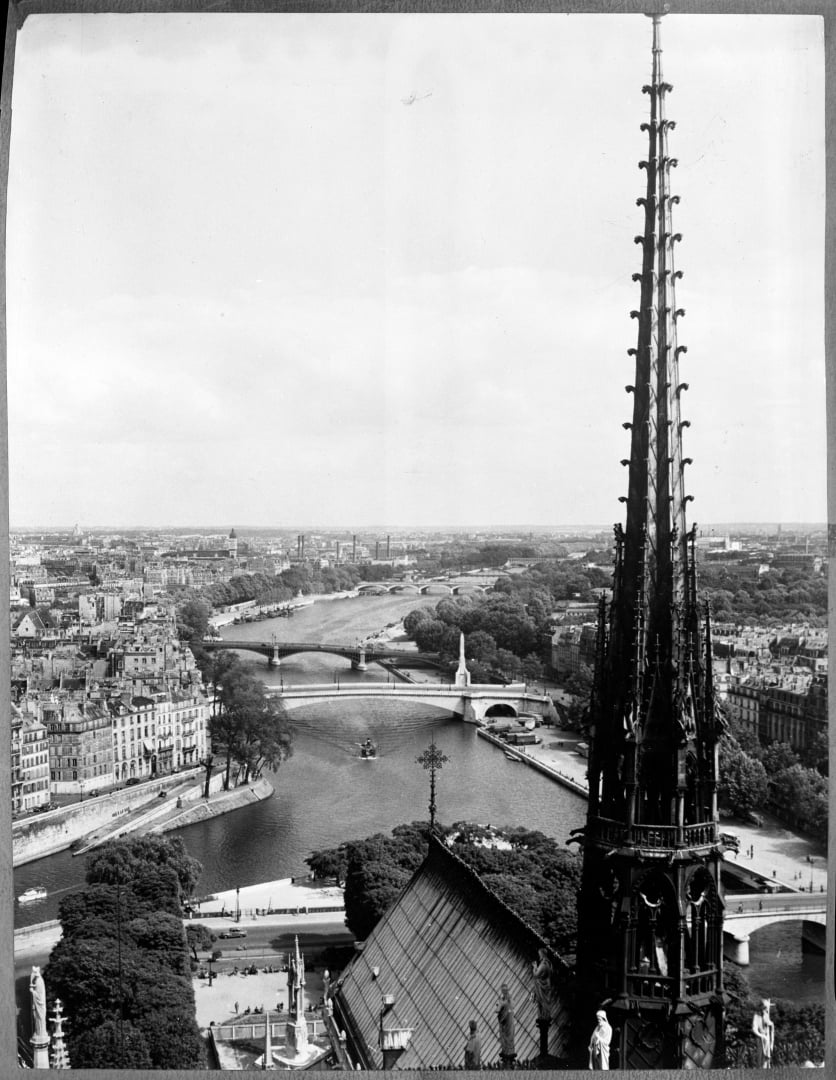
[325, 794]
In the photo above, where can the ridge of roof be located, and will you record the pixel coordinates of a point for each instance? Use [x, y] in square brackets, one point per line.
[440, 856]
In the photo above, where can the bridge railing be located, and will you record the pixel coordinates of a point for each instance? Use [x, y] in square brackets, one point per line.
[743, 911]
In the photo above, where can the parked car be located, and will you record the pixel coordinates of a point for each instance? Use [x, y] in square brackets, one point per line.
[131, 781]
[233, 932]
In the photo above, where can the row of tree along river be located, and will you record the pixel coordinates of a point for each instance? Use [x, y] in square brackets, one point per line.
[326, 793]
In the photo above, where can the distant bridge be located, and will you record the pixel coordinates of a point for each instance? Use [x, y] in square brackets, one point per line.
[360, 655]
[450, 587]
[473, 703]
[747, 913]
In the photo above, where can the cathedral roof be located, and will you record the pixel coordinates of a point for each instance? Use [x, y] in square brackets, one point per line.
[442, 951]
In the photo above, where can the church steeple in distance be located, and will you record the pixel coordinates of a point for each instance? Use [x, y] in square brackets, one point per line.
[650, 943]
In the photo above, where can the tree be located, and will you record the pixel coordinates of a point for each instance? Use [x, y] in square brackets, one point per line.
[815, 754]
[580, 682]
[249, 727]
[332, 863]
[799, 1032]
[508, 663]
[743, 782]
[800, 795]
[200, 937]
[174, 1038]
[480, 646]
[125, 860]
[161, 937]
[215, 667]
[747, 740]
[265, 739]
[429, 635]
[539, 606]
[193, 619]
[532, 667]
[777, 757]
[371, 887]
[122, 959]
[111, 1045]
[415, 618]
[158, 888]
[738, 1021]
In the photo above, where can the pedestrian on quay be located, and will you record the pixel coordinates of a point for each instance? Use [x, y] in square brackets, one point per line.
[236, 1008]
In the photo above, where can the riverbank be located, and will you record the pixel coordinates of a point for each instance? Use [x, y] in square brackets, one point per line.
[173, 814]
[225, 618]
[556, 758]
[270, 901]
[40, 835]
[132, 811]
[220, 802]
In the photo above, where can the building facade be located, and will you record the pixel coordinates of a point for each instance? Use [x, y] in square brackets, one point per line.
[80, 750]
[30, 763]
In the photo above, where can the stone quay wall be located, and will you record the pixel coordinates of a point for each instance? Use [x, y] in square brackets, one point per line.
[44, 834]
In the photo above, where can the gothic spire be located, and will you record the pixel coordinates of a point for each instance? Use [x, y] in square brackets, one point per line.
[655, 535]
[651, 844]
[652, 652]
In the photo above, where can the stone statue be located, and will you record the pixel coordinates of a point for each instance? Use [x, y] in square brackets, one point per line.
[38, 992]
[505, 1017]
[764, 1030]
[542, 971]
[473, 1048]
[599, 1046]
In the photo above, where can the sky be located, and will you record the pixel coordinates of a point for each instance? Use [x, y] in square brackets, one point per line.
[358, 269]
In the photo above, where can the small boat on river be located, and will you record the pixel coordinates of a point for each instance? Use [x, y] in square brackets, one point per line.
[368, 750]
[510, 756]
[31, 895]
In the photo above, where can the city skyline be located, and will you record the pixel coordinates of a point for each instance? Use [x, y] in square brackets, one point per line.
[472, 528]
[359, 279]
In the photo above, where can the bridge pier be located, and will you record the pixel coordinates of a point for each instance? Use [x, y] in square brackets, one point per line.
[274, 660]
[736, 949]
[469, 715]
[813, 938]
[360, 663]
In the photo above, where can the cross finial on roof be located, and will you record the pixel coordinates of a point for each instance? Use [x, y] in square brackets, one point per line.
[432, 759]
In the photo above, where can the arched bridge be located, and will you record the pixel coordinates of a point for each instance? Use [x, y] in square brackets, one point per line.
[437, 587]
[473, 703]
[747, 913]
[359, 655]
